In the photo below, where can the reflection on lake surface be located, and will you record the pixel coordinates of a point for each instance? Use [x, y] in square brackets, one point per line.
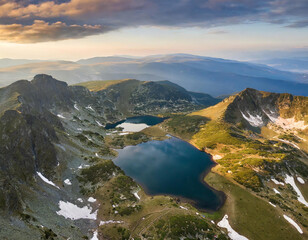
[171, 167]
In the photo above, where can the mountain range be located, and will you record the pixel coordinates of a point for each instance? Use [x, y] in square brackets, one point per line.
[195, 73]
[55, 154]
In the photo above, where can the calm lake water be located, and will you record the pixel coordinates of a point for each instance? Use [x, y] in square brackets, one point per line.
[170, 167]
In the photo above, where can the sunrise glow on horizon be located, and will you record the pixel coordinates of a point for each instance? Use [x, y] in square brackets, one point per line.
[75, 29]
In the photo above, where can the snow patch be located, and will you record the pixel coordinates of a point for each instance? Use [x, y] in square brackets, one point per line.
[124, 133]
[91, 199]
[98, 123]
[83, 166]
[71, 211]
[183, 208]
[95, 235]
[109, 222]
[61, 116]
[290, 123]
[291, 221]
[46, 180]
[75, 106]
[79, 200]
[272, 204]
[67, 182]
[271, 115]
[300, 197]
[90, 108]
[255, 121]
[276, 191]
[288, 142]
[136, 195]
[300, 180]
[132, 127]
[224, 223]
[217, 157]
[88, 138]
[277, 182]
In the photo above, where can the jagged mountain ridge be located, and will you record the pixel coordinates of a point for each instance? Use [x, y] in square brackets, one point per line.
[260, 108]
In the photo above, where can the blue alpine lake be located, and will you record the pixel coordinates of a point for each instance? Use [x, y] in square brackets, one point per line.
[171, 167]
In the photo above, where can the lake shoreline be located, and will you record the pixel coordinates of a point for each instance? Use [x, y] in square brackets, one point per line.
[219, 194]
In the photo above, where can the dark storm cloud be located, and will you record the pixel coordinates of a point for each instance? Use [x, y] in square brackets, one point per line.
[115, 14]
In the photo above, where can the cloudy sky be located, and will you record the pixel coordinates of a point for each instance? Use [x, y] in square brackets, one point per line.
[73, 29]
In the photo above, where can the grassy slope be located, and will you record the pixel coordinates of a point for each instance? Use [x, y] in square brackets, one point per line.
[8, 100]
[250, 215]
[95, 86]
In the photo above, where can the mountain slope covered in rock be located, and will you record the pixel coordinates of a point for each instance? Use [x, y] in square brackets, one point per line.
[57, 179]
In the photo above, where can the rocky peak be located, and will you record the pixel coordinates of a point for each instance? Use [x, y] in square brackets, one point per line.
[257, 108]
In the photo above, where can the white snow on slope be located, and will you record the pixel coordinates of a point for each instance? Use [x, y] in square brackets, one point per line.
[300, 197]
[98, 123]
[83, 166]
[88, 138]
[133, 127]
[71, 211]
[290, 123]
[285, 123]
[67, 182]
[46, 180]
[95, 235]
[91, 199]
[224, 223]
[109, 222]
[136, 195]
[255, 121]
[272, 204]
[270, 115]
[290, 220]
[184, 208]
[217, 157]
[61, 116]
[75, 106]
[288, 142]
[300, 180]
[277, 182]
[90, 108]
[276, 191]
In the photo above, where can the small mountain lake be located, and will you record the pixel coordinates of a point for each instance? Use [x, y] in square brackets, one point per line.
[171, 167]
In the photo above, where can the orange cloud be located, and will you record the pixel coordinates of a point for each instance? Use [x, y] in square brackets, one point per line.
[41, 31]
[73, 8]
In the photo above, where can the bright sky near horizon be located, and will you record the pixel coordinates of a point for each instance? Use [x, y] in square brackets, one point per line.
[74, 29]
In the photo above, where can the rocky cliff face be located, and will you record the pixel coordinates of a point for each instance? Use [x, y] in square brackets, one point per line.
[256, 109]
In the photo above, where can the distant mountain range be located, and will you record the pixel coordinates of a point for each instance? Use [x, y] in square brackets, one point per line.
[299, 64]
[195, 73]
